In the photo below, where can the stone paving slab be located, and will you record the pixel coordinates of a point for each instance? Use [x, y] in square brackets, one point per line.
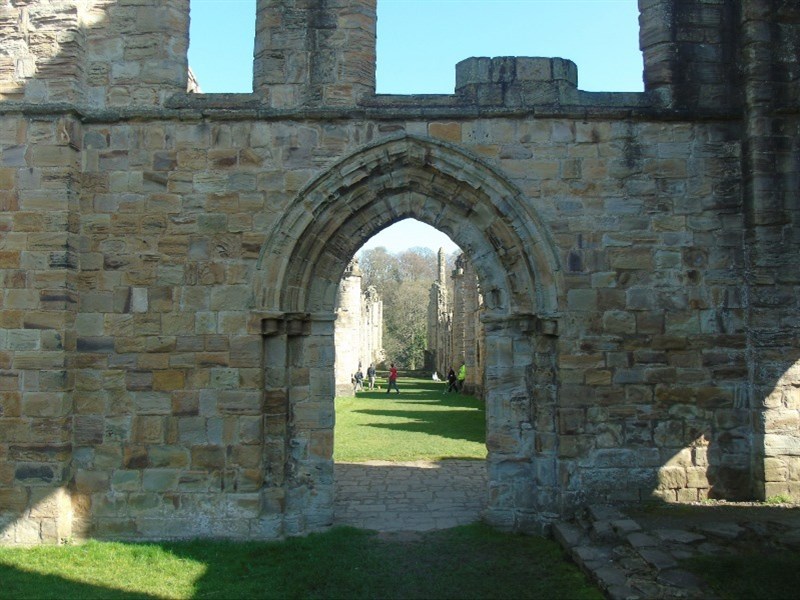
[409, 496]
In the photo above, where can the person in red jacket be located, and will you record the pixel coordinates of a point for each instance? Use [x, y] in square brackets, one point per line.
[392, 379]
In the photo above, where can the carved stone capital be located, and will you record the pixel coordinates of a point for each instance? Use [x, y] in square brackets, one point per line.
[271, 323]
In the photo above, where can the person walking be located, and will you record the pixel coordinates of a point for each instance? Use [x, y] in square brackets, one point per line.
[392, 379]
[462, 376]
[371, 375]
[358, 381]
[451, 381]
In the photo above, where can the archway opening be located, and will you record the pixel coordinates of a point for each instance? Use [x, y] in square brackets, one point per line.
[409, 453]
[502, 237]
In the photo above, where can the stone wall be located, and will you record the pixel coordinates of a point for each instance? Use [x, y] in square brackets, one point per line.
[455, 332]
[358, 330]
[170, 264]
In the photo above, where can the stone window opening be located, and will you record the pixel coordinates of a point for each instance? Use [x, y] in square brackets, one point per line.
[212, 52]
[410, 62]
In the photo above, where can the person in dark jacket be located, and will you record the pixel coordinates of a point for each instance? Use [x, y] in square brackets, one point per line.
[451, 381]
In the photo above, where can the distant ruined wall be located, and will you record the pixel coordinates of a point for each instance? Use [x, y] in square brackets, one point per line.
[358, 329]
[458, 333]
[170, 263]
[372, 329]
[439, 341]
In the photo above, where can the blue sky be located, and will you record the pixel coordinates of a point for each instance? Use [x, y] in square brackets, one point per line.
[420, 42]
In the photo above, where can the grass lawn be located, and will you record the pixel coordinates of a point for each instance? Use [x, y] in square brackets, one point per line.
[419, 423]
[466, 562]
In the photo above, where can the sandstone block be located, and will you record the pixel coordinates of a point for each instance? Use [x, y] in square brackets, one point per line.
[208, 457]
[672, 477]
[450, 132]
[168, 380]
[160, 480]
[148, 429]
[126, 481]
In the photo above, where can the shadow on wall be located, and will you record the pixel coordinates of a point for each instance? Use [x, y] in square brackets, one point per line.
[702, 442]
[136, 54]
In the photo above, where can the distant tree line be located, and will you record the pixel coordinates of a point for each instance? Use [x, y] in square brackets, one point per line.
[404, 281]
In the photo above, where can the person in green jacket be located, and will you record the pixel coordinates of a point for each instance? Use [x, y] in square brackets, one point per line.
[462, 376]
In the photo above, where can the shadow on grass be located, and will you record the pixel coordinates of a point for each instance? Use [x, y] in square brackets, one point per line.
[465, 562]
[452, 424]
[21, 583]
[465, 419]
[752, 549]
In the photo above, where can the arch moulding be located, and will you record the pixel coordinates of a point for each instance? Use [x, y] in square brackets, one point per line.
[408, 177]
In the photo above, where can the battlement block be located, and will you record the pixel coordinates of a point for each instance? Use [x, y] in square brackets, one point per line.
[516, 80]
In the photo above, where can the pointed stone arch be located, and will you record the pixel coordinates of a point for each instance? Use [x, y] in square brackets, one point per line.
[295, 290]
[409, 177]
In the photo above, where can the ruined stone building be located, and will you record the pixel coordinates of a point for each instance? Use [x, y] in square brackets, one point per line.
[438, 346]
[358, 331]
[455, 330]
[467, 333]
[170, 263]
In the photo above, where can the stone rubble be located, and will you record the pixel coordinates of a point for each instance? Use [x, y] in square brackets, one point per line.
[630, 560]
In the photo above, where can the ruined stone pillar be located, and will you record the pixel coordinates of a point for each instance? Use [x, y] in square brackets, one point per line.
[349, 315]
[466, 332]
[458, 331]
[437, 355]
[772, 218]
[42, 51]
[136, 52]
[520, 434]
[298, 424]
[371, 328]
[689, 53]
[516, 80]
[315, 52]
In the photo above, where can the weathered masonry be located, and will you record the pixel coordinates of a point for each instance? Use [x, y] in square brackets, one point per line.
[455, 332]
[358, 329]
[170, 263]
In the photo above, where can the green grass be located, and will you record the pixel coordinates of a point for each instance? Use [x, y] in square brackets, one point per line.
[756, 576]
[98, 570]
[779, 499]
[466, 562]
[420, 423]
